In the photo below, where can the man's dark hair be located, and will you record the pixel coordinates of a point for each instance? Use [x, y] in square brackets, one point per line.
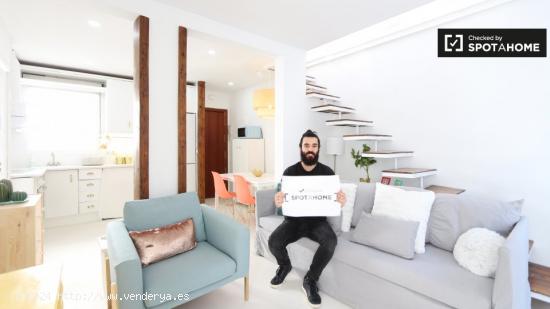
[310, 133]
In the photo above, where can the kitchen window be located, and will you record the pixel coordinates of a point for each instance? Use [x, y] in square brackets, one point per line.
[61, 116]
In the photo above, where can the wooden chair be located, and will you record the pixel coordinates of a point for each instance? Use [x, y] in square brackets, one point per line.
[222, 192]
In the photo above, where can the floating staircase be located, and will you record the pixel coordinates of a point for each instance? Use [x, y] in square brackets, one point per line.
[331, 104]
[333, 109]
[418, 173]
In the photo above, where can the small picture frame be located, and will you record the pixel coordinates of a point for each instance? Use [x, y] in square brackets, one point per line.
[386, 180]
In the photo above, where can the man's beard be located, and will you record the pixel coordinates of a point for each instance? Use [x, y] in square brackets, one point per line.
[307, 160]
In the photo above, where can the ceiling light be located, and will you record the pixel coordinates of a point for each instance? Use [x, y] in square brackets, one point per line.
[230, 84]
[211, 52]
[94, 23]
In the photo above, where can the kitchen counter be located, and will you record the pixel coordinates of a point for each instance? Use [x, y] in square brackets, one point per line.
[40, 171]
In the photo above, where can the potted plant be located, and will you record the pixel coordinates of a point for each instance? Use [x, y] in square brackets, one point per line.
[363, 162]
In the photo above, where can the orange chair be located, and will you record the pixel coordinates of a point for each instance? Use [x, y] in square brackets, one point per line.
[243, 194]
[221, 191]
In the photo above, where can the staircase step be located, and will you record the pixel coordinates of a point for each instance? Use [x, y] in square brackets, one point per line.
[309, 77]
[408, 172]
[367, 137]
[446, 190]
[349, 123]
[388, 154]
[315, 88]
[322, 96]
[333, 109]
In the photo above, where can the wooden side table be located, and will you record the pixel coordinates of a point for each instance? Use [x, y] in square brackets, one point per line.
[37, 287]
[102, 242]
[539, 279]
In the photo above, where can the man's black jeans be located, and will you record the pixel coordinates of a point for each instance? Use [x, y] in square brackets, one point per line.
[292, 229]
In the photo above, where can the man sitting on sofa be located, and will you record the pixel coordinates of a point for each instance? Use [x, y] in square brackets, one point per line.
[314, 228]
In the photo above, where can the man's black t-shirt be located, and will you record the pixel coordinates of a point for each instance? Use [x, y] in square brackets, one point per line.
[298, 170]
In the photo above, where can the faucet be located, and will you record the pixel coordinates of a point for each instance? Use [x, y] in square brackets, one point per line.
[53, 162]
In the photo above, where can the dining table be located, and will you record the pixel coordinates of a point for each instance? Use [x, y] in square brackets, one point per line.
[265, 181]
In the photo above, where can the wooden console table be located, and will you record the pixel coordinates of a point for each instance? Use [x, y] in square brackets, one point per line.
[21, 234]
[539, 279]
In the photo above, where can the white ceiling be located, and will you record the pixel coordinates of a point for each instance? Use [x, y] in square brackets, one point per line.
[301, 23]
[56, 32]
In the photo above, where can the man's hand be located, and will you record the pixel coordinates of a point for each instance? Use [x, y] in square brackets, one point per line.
[279, 199]
[341, 198]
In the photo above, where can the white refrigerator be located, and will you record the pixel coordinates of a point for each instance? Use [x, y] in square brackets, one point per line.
[248, 154]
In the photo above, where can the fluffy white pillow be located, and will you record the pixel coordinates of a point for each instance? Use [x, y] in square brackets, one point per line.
[405, 205]
[349, 190]
[477, 251]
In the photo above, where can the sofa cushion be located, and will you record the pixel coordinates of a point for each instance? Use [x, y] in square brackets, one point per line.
[160, 243]
[452, 215]
[186, 272]
[405, 205]
[270, 223]
[477, 251]
[342, 223]
[387, 234]
[434, 274]
[364, 199]
[147, 214]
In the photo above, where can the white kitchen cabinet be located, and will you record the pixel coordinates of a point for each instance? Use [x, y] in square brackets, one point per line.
[117, 187]
[119, 106]
[61, 196]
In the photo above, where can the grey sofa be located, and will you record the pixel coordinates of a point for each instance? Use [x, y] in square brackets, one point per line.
[364, 277]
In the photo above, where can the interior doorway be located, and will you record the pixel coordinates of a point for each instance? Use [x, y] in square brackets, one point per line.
[215, 146]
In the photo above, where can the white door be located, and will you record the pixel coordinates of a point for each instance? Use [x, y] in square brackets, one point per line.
[61, 195]
[117, 188]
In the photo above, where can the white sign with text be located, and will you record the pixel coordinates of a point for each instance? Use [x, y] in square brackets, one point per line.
[311, 196]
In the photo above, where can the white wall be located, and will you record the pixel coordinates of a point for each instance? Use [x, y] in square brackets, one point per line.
[483, 122]
[5, 53]
[163, 89]
[243, 114]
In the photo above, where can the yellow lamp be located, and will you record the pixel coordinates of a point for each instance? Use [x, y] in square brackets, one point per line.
[263, 102]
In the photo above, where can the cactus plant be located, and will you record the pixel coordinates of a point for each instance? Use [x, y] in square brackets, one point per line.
[18, 196]
[9, 186]
[4, 193]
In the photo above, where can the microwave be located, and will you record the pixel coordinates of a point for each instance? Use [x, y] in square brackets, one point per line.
[249, 132]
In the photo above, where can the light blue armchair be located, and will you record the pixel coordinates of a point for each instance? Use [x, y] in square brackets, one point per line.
[221, 255]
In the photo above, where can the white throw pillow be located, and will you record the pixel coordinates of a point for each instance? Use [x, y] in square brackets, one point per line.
[477, 251]
[349, 190]
[405, 205]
